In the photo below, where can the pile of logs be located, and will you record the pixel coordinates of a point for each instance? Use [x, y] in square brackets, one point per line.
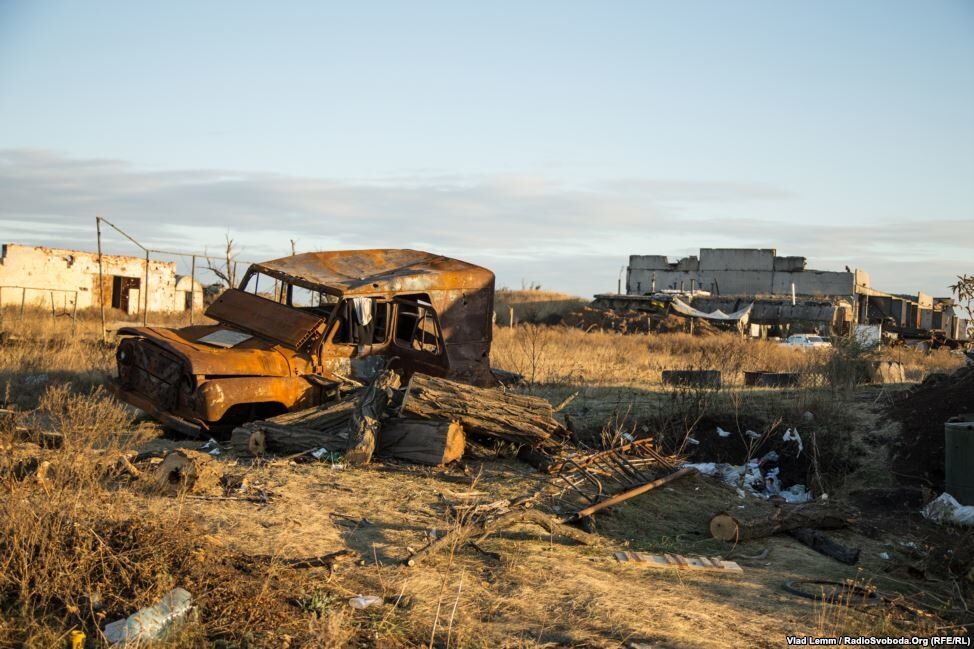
[426, 422]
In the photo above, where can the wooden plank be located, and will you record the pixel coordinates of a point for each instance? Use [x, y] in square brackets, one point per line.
[679, 561]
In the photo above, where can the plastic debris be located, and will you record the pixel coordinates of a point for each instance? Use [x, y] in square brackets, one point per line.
[152, 622]
[751, 479]
[722, 432]
[884, 556]
[945, 510]
[791, 435]
[798, 493]
[364, 601]
[753, 435]
[693, 441]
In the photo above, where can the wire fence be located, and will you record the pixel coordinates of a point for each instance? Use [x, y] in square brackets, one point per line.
[220, 267]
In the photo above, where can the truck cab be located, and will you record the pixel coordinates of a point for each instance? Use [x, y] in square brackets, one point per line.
[298, 329]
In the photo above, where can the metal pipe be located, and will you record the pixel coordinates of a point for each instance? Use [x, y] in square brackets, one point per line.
[192, 289]
[101, 279]
[145, 290]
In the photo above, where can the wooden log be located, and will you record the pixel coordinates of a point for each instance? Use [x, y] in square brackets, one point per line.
[477, 532]
[761, 522]
[318, 417]
[189, 471]
[324, 426]
[821, 543]
[262, 438]
[490, 412]
[363, 429]
[632, 493]
[421, 441]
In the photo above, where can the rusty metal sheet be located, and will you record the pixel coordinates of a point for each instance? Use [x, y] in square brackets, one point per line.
[202, 359]
[217, 396]
[367, 272]
[265, 318]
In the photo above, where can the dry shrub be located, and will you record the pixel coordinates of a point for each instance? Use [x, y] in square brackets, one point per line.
[562, 355]
[76, 553]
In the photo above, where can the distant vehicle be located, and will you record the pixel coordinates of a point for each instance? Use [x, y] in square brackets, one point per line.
[807, 341]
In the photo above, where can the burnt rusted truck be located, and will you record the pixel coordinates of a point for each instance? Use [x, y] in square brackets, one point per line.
[298, 328]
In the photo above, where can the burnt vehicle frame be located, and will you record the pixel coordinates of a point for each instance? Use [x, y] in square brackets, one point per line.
[298, 329]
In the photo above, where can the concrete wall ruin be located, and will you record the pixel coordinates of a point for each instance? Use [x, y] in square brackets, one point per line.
[734, 271]
[68, 279]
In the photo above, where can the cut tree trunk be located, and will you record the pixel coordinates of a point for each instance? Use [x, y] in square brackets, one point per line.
[757, 523]
[189, 471]
[490, 412]
[477, 532]
[363, 429]
[821, 543]
[422, 441]
[323, 426]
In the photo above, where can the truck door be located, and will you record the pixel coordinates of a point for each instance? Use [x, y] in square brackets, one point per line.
[358, 334]
[416, 337]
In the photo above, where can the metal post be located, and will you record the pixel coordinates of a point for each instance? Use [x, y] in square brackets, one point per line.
[145, 290]
[74, 314]
[192, 289]
[53, 314]
[23, 300]
[101, 279]
[1, 309]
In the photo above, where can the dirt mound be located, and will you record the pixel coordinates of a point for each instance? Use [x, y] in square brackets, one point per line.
[918, 455]
[623, 321]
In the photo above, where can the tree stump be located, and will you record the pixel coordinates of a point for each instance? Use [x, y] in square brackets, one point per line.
[189, 471]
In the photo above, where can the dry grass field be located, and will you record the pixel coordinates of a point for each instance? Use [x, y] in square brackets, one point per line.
[84, 543]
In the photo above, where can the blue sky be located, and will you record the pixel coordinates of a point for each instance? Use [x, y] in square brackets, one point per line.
[547, 140]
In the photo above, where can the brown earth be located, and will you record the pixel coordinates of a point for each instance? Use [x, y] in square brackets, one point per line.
[918, 454]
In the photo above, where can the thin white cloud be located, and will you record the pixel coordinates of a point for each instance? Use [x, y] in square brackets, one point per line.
[569, 237]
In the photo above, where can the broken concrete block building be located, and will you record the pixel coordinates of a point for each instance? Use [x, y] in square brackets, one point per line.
[66, 280]
[785, 292]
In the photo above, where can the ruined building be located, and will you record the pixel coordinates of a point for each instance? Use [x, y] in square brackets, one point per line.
[65, 280]
[783, 291]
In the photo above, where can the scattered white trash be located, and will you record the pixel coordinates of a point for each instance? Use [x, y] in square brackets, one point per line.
[945, 510]
[364, 601]
[152, 622]
[791, 435]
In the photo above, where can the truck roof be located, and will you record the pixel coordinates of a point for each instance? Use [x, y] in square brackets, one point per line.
[381, 270]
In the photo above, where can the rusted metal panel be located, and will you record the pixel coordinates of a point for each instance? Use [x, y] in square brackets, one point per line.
[203, 359]
[366, 272]
[265, 318]
[216, 396]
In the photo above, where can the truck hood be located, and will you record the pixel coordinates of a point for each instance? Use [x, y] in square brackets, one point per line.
[245, 359]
